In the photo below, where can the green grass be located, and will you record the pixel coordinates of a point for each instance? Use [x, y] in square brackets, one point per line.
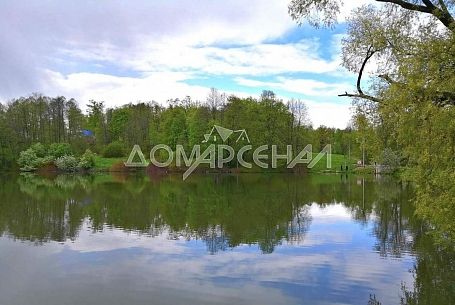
[364, 170]
[337, 162]
[102, 163]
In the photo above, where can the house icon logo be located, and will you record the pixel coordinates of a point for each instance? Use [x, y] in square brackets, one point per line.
[220, 134]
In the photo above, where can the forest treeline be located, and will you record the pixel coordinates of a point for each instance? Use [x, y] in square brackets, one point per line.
[112, 132]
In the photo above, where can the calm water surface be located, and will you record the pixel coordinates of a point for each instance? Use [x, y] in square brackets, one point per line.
[249, 239]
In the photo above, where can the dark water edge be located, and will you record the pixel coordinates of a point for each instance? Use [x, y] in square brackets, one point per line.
[217, 239]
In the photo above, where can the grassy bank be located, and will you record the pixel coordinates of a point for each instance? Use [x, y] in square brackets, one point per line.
[106, 164]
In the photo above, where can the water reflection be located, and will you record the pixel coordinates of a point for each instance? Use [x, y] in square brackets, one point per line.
[327, 238]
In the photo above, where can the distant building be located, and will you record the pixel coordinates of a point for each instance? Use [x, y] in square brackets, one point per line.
[87, 133]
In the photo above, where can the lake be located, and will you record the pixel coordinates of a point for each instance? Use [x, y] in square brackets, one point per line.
[216, 239]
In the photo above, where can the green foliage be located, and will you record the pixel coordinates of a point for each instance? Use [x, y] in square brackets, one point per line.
[316, 12]
[87, 160]
[408, 113]
[175, 126]
[96, 122]
[30, 161]
[391, 159]
[39, 149]
[117, 122]
[34, 157]
[58, 150]
[7, 142]
[67, 163]
[59, 154]
[106, 163]
[267, 120]
[114, 150]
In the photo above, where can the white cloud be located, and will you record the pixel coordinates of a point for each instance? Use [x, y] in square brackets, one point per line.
[329, 114]
[258, 59]
[308, 87]
[79, 49]
[117, 90]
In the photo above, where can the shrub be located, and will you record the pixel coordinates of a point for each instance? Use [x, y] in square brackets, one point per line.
[390, 159]
[87, 160]
[28, 160]
[114, 150]
[39, 149]
[67, 163]
[58, 150]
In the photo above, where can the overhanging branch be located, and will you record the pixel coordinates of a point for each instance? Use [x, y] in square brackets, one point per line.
[362, 96]
[409, 6]
[442, 14]
[360, 93]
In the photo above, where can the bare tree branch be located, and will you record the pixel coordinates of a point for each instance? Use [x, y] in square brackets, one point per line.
[362, 96]
[409, 6]
[360, 93]
[370, 53]
[443, 6]
[440, 13]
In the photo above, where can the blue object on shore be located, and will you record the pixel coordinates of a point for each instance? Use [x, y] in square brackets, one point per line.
[87, 133]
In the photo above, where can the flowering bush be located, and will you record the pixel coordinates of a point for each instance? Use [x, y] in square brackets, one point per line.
[67, 163]
[87, 160]
[33, 158]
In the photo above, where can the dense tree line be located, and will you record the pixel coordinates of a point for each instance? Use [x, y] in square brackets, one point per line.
[114, 131]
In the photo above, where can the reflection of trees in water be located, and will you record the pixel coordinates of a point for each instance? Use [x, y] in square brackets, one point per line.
[226, 211]
[31, 214]
[216, 240]
[299, 225]
[434, 275]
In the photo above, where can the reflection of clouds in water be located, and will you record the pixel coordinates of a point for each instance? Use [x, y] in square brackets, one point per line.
[330, 213]
[330, 265]
[111, 239]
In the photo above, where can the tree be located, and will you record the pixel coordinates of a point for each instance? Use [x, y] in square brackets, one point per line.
[299, 120]
[7, 141]
[75, 119]
[215, 101]
[325, 12]
[387, 35]
[96, 121]
[410, 104]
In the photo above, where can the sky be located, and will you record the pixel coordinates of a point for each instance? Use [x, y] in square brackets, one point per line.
[128, 51]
